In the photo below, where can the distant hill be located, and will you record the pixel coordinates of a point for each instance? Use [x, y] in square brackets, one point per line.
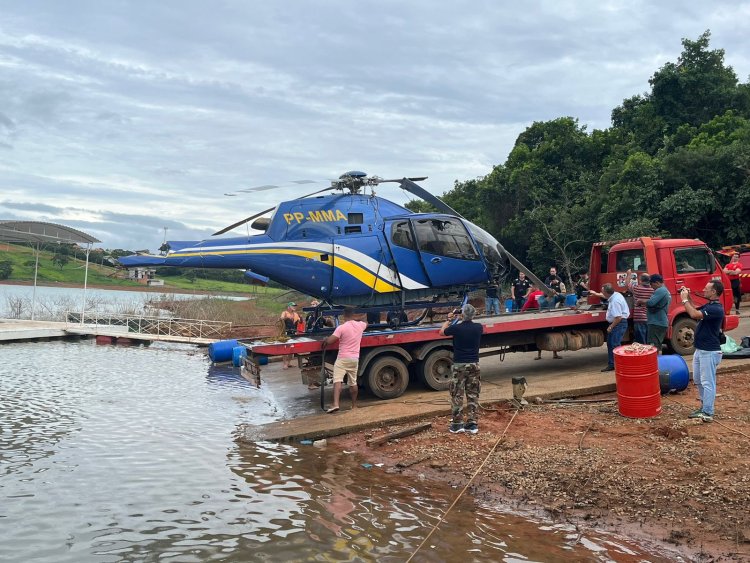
[21, 259]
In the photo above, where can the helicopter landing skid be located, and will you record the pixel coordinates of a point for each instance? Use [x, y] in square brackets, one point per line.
[397, 315]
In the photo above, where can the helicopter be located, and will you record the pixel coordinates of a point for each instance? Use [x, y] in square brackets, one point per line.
[353, 248]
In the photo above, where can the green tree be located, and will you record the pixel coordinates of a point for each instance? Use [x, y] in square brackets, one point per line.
[6, 269]
[60, 259]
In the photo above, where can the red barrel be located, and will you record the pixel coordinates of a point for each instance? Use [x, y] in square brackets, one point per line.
[637, 377]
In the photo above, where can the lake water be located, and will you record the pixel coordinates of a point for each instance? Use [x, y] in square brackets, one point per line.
[113, 453]
[51, 303]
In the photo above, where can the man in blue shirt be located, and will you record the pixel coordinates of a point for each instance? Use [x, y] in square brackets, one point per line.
[617, 317]
[467, 336]
[707, 341]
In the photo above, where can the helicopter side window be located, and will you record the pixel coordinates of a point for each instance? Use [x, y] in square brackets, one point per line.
[445, 237]
[401, 235]
[356, 218]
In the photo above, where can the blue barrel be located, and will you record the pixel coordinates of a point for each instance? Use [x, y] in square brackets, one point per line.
[221, 351]
[674, 374]
[509, 305]
[262, 360]
[238, 354]
[571, 300]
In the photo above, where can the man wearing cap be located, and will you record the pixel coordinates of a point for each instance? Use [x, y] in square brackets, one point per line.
[656, 312]
[641, 293]
[467, 336]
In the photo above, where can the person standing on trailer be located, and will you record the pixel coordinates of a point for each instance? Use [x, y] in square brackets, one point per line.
[491, 300]
[291, 320]
[520, 289]
[467, 336]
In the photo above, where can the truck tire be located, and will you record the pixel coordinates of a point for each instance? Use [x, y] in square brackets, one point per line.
[683, 336]
[387, 377]
[435, 370]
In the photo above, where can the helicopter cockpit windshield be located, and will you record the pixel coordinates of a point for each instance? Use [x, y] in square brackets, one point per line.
[488, 245]
[445, 237]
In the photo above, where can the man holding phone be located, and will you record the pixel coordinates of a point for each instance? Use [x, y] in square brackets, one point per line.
[467, 336]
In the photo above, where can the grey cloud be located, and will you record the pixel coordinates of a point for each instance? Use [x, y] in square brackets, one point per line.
[6, 121]
[137, 108]
[24, 206]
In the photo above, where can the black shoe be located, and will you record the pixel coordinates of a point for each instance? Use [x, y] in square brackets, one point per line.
[455, 427]
[471, 428]
[608, 369]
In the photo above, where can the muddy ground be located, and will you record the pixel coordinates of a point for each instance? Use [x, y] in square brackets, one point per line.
[667, 479]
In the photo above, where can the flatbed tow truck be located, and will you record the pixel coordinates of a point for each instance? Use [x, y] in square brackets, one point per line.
[389, 356]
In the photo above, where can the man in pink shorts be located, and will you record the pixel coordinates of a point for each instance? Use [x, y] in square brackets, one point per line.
[349, 336]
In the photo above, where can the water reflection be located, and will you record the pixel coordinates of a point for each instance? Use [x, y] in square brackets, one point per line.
[126, 454]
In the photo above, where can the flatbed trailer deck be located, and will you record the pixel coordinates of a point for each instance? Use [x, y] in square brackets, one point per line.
[387, 356]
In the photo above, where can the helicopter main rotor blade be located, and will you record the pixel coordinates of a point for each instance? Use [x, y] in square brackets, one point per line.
[409, 185]
[274, 186]
[398, 180]
[243, 221]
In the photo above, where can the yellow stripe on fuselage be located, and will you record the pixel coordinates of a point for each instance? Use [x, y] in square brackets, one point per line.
[351, 268]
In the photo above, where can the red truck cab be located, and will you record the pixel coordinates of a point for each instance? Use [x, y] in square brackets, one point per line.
[681, 262]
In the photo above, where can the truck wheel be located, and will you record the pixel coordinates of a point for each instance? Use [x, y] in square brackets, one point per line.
[683, 336]
[387, 377]
[435, 370]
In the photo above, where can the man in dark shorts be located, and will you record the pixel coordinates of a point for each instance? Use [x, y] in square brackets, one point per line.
[467, 336]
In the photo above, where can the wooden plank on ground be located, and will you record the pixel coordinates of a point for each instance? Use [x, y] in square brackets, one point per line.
[399, 434]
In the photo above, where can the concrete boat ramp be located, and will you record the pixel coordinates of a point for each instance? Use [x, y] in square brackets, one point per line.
[576, 374]
[547, 378]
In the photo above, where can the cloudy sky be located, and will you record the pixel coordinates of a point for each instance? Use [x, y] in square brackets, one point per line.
[124, 117]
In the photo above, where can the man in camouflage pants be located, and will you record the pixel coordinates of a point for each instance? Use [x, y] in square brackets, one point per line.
[465, 378]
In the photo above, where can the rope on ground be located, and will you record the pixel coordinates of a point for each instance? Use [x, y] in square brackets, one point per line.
[731, 429]
[740, 432]
[435, 527]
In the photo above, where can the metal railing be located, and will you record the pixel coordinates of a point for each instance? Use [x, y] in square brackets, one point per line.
[187, 328]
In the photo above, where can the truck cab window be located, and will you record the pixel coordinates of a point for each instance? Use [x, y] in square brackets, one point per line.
[688, 260]
[630, 260]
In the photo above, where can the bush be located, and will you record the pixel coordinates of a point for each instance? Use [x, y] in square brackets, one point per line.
[6, 269]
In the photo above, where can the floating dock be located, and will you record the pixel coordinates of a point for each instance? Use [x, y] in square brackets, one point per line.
[13, 330]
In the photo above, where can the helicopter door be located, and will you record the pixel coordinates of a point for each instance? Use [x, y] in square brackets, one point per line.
[405, 253]
[360, 267]
[447, 252]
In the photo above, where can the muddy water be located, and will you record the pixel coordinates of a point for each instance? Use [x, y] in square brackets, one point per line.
[127, 454]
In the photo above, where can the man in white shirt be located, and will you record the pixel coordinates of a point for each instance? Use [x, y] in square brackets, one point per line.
[617, 317]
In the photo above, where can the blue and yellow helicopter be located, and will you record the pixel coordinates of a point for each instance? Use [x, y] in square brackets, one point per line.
[354, 248]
